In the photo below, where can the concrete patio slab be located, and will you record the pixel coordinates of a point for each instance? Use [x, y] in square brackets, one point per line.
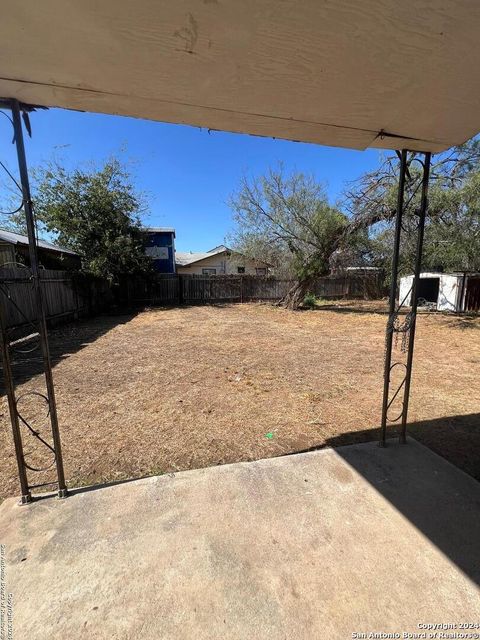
[326, 544]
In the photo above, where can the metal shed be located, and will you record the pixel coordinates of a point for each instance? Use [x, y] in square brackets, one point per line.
[444, 291]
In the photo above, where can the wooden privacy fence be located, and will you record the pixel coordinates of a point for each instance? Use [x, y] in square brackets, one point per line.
[67, 295]
[187, 289]
[149, 290]
[197, 289]
[368, 286]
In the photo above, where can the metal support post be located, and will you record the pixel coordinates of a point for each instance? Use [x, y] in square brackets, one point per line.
[40, 324]
[408, 325]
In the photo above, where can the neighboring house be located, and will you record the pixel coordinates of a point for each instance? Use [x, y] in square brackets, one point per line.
[160, 246]
[444, 291]
[14, 249]
[219, 261]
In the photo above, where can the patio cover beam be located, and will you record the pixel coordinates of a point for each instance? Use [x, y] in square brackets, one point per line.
[376, 73]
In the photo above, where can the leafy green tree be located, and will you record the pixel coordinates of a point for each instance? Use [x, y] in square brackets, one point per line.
[95, 213]
[287, 221]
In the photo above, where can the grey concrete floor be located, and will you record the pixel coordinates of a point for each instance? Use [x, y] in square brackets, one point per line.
[317, 545]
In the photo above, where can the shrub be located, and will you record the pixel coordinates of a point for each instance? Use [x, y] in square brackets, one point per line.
[310, 301]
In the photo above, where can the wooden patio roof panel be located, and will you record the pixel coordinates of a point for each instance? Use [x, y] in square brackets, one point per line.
[353, 74]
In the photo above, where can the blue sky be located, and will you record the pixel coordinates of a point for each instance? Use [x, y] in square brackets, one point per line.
[189, 173]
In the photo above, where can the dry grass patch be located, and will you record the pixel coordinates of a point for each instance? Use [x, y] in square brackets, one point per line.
[174, 389]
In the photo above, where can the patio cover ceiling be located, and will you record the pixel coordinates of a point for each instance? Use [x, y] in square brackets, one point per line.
[348, 73]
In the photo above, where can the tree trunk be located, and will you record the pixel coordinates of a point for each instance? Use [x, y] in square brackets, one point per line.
[295, 295]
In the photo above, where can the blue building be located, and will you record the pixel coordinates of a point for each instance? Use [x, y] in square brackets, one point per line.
[160, 246]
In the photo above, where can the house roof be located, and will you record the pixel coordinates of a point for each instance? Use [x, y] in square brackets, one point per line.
[160, 230]
[220, 247]
[375, 73]
[16, 238]
[183, 259]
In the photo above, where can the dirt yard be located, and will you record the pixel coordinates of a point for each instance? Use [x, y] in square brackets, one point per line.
[174, 389]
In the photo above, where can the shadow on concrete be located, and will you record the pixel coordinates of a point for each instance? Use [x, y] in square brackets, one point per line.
[412, 483]
[63, 341]
[455, 438]
[442, 503]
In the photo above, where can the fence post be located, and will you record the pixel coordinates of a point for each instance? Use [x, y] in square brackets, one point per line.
[180, 288]
[129, 293]
[75, 293]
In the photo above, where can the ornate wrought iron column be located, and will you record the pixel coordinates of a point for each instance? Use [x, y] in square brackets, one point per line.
[39, 325]
[400, 320]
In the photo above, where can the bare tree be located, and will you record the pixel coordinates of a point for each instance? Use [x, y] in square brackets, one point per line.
[452, 237]
[288, 221]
